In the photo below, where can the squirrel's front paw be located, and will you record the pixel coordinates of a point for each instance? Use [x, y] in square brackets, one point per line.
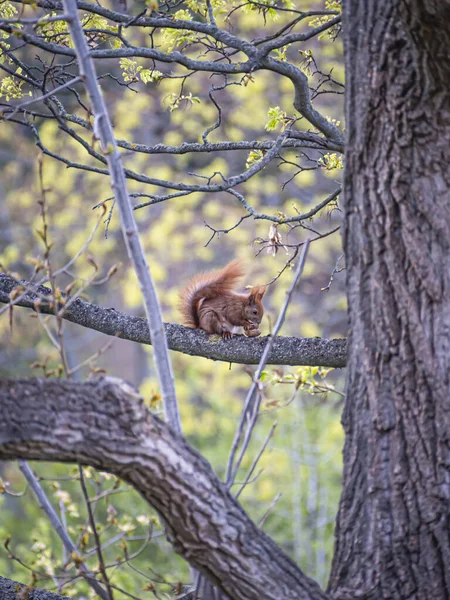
[252, 332]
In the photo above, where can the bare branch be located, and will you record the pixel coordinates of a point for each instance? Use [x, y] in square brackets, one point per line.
[45, 96]
[98, 546]
[59, 528]
[253, 399]
[298, 37]
[195, 342]
[257, 55]
[42, 419]
[13, 590]
[225, 186]
[104, 131]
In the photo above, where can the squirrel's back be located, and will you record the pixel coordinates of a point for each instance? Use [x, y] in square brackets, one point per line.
[212, 284]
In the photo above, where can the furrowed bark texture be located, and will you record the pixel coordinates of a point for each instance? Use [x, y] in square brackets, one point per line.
[105, 424]
[393, 529]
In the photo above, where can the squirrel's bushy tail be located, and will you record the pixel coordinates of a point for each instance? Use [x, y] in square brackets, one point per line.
[208, 285]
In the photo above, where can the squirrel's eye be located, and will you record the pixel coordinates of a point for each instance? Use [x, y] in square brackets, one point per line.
[255, 312]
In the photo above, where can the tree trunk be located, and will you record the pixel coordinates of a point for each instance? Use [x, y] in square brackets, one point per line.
[393, 528]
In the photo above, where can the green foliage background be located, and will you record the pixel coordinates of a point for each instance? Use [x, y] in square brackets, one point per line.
[302, 466]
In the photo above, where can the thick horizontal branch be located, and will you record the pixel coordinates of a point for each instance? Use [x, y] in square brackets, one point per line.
[195, 342]
[218, 34]
[257, 55]
[133, 52]
[302, 140]
[13, 590]
[105, 424]
[296, 139]
[227, 185]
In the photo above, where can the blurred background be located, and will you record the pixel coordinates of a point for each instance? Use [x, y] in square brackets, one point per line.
[295, 489]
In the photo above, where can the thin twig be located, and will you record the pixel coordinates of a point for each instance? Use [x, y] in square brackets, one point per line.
[32, 285]
[98, 545]
[91, 358]
[334, 272]
[44, 96]
[231, 468]
[256, 461]
[271, 505]
[58, 527]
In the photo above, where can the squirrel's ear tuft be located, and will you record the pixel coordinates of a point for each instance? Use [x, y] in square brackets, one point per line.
[257, 292]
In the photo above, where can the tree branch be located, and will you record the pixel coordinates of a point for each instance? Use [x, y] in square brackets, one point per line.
[225, 186]
[105, 424]
[13, 590]
[59, 528]
[195, 342]
[250, 409]
[133, 52]
[258, 58]
[103, 130]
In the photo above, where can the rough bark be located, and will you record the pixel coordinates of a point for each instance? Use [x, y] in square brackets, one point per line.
[195, 342]
[13, 590]
[105, 424]
[393, 529]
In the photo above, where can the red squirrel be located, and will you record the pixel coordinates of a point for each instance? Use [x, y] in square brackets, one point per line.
[210, 302]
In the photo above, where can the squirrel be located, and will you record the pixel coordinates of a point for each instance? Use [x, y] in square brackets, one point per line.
[209, 302]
